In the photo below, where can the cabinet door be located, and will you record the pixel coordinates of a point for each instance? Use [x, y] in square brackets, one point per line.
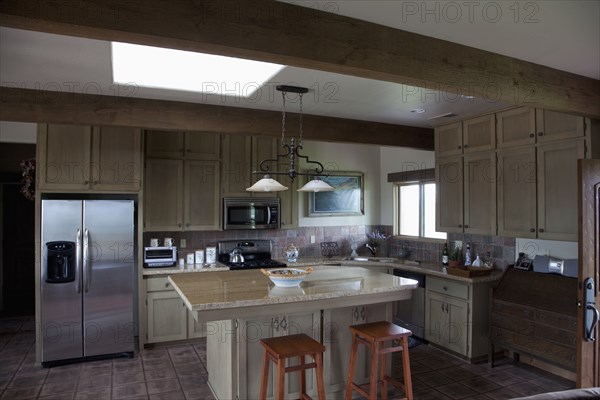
[64, 156]
[449, 194]
[167, 317]
[164, 144]
[435, 321]
[480, 193]
[236, 172]
[479, 133]
[552, 125]
[557, 189]
[516, 127]
[116, 158]
[456, 333]
[517, 192]
[265, 148]
[338, 341]
[164, 188]
[448, 139]
[202, 146]
[201, 195]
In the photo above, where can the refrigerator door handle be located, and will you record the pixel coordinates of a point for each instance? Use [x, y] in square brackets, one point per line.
[78, 261]
[86, 261]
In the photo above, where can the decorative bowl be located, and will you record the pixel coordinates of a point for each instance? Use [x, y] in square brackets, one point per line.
[287, 277]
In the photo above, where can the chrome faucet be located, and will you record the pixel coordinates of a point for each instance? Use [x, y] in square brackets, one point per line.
[372, 249]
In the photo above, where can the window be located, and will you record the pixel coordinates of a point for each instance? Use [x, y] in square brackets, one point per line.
[415, 210]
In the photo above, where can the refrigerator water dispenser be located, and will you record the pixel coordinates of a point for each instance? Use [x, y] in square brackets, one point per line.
[60, 262]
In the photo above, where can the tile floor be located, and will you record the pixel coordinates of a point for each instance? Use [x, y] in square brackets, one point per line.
[178, 372]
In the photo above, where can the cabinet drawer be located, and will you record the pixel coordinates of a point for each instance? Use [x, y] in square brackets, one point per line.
[451, 288]
[159, 283]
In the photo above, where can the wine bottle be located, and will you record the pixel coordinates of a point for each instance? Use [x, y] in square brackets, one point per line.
[468, 257]
[445, 255]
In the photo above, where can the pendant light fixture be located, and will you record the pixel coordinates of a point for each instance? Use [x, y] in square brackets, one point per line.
[291, 150]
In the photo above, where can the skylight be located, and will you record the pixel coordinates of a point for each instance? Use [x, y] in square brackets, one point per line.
[185, 70]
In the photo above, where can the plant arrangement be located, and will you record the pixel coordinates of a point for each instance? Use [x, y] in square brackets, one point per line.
[376, 238]
[28, 181]
[455, 258]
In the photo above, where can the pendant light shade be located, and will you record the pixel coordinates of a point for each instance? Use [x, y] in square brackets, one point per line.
[316, 185]
[266, 184]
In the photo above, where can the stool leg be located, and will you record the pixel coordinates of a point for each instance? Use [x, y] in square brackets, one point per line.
[320, 383]
[382, 371]
[351, 367]
[302, 378]
[406, 369]
[373, 380]
[265, 377]
[280, 378]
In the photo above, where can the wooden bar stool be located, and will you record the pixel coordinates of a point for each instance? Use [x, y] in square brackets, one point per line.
[374, 335]
[279, 349]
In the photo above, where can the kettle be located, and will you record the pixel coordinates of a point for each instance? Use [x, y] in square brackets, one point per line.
[236, 255]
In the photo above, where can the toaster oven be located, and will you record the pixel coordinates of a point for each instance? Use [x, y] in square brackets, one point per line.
[161, 256]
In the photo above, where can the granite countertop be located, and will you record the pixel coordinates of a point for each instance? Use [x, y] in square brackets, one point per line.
[235, 289]
[185, 270]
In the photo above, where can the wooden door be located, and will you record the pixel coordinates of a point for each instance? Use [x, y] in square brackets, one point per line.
[251, 354]
[202, 146]
[557, 189]
[515, 127]
[201, 199]
[480, 193]
[588, 352]
[337, 340]
[167, 317]
[64, 157]
[116, 155]
[449, 139]
[195, 329]
[456, 333]
[449, 194]
[164, 144]
[552, 125]
[435, 322]
[479, 133]
[517, 192]
[163, 195]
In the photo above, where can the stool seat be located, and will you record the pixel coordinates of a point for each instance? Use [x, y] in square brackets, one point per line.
[374, 335]
[279, 349]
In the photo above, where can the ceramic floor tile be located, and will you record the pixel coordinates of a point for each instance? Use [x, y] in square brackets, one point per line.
[203, 393]
[52, 388]
[527, 388]
[456, 390]
[25, 382]
[128, 391]
[21, 393]
[163, 385]
[94, 394]
[502, 394]
[177, 395]
[90, 382]
[191, 383]
[480, 384]
[127, 377]
[433, 378]
[155, 374]
[456, 373]
[478, 397]
[59, 396]
[430, 394]
[160, 363]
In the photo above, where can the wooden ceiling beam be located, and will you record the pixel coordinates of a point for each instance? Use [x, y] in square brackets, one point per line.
[304, 37]
[28, 105]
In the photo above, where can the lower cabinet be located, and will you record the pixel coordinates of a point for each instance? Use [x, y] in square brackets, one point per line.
[456, 316]
[168, 318]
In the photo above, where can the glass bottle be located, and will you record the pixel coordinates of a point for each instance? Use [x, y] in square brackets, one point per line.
[468, 255]
[445, 255]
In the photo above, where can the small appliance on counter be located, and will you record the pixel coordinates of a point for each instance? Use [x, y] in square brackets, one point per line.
[553, 265]
[160, 256]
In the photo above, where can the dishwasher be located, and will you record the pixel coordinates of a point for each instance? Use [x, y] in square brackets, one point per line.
[410, 313]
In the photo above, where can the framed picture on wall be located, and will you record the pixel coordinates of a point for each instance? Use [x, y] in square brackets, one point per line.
[346, 199]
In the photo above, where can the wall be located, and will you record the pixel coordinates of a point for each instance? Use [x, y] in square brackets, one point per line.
[346, 157]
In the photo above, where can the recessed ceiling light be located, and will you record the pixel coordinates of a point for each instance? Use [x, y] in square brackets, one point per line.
[185, 70]
[417, 110]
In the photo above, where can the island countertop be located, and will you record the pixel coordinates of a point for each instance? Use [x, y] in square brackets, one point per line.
[231, 294]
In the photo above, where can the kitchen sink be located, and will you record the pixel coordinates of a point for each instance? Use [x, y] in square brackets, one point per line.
[376, 259]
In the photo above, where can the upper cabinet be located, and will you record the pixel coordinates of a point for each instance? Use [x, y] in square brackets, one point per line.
[479, 134]
[515, 127]
[552, 125]
[449, 139]
[83, 158]
[189, 145]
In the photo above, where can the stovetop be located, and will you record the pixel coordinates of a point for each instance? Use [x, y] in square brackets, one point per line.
[257, 254]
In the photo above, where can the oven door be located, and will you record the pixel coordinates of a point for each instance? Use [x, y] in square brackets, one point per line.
[250, 215]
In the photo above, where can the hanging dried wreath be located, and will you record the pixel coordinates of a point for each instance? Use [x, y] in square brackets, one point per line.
[28, 181]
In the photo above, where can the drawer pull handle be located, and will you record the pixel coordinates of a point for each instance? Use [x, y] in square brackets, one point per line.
[541, 230]
[532, 230]
[445, 287]
[459, 147]
[531, 135]
[466, 145]
[167, 284]
[540, 133]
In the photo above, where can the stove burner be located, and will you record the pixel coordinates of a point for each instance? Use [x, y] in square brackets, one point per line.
[255, 264]
[257, 254]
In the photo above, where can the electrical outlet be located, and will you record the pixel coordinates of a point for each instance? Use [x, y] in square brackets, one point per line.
[458, 244]
[182, 243]
[312, 239]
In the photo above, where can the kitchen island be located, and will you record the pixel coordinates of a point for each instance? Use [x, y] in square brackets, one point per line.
[244, 306]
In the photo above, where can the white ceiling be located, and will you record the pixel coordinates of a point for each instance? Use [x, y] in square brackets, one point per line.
[560, 34]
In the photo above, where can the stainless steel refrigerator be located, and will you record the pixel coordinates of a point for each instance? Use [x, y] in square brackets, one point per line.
[87, 278]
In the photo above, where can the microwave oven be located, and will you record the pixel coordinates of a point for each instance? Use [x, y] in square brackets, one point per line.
[161, 256]
[250, 213]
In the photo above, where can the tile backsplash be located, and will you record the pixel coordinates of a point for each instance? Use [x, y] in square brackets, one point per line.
[500, 250]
